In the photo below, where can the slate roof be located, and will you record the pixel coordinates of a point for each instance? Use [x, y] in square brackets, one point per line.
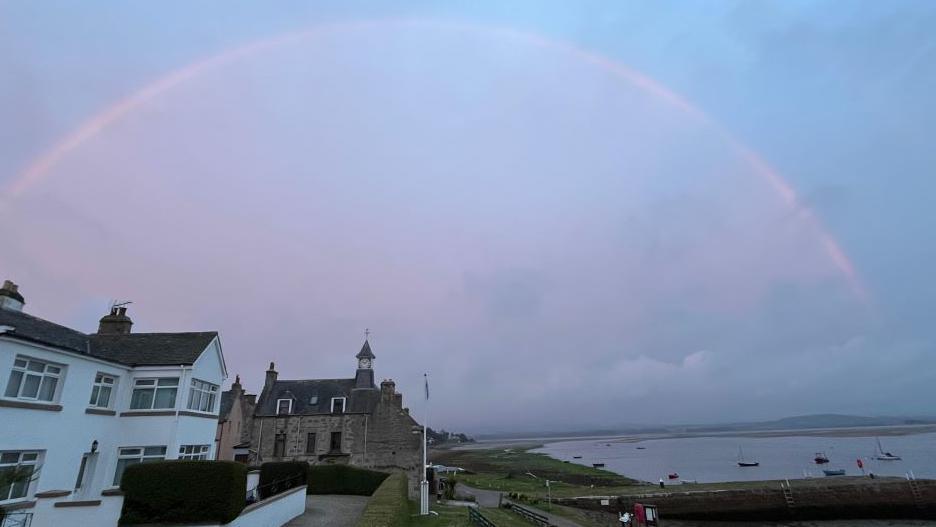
[302, 392]
[365, 352]
[227, 402]
[135, 349]
[151, 349]
[35, 329]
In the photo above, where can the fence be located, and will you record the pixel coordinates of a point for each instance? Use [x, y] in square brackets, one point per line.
[262, 492]
[530, 516]
[16, 519]
[476, 518]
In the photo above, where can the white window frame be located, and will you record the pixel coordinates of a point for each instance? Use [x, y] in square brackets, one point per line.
[142, 454]
[194, 452]
[50, 372]
[25, 458]
[155, 384]
[202, 396]
[344, 404]
[278, 406]
[99, 387]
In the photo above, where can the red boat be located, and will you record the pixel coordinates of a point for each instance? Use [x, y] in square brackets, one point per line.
[673, 476]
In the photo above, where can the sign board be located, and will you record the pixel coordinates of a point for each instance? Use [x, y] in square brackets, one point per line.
[606, 502]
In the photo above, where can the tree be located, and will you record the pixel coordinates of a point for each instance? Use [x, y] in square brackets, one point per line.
[11, 476]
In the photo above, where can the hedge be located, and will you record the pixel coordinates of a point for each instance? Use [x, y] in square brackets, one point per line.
[183, 492]
[343, 479]
[389, 506]
[275, 477]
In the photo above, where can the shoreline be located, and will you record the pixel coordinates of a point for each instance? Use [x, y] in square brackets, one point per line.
[859, 431]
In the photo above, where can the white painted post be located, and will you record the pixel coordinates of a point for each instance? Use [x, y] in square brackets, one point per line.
[424, 483]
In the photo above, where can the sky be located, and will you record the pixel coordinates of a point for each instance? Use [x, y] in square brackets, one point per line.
[571, 215]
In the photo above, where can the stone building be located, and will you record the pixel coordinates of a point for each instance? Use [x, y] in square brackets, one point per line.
[349, 421]
[232, 439]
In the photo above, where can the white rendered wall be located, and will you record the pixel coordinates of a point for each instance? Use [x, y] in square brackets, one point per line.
[65, 436]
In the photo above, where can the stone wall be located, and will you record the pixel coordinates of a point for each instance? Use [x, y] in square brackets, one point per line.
[383, 440]
[858, 498]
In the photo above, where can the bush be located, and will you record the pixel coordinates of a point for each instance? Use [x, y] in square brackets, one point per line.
[343, 479]
[183, 492]
[389, 506]
[279, 476]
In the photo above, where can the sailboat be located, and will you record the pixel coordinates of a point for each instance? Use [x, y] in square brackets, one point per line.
[742, 462]
[885, 456]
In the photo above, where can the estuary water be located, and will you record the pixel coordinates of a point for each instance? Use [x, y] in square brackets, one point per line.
[714, 459]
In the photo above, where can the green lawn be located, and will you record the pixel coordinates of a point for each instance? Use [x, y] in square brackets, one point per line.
[517, 463]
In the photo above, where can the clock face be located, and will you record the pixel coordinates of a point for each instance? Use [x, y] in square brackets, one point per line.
[364, 363]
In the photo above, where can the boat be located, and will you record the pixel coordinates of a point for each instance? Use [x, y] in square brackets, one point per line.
[673, 476]
[576, 457]
[885, 456]
[641, 448]
[598, 465]
[821, 458]
[838, 472]
[743, 463]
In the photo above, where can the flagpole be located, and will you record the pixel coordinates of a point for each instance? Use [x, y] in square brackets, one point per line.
[424, 483]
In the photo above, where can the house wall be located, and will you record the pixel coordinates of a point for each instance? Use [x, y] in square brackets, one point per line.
[229, 431]
[383, 440]
[65, 431]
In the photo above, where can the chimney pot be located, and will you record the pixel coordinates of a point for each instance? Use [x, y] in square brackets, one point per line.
[116, 323]
[10, 297]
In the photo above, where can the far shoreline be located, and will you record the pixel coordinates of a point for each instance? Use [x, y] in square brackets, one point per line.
[528, 443]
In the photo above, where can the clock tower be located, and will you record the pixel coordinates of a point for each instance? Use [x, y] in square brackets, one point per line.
[364, 379]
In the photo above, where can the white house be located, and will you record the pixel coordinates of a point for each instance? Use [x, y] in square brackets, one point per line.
[78, 408]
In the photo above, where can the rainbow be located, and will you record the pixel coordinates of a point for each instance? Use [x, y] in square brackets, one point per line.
[41, 166]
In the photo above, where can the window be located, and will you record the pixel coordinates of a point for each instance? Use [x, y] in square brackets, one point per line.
[33, 379]
[193, 452]
[313, 399]
[283, 406]
[101, 392]
[13, 461]
[310, 443]
[154, 393]
[279, 445]
[202, 396]
[132, 455]
[336, 441]
[338, 405]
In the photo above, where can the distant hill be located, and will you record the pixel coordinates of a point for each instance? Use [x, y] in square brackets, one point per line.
[799, 422]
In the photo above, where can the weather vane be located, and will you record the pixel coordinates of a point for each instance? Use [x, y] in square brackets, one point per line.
[366, 333]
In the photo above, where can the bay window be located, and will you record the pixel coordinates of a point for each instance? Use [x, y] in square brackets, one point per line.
[202, 396]
[33, 379]
[149, 394]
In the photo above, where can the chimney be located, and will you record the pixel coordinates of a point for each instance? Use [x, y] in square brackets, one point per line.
[115, 323]
[10, 298]
[271, 375]
[236, 387]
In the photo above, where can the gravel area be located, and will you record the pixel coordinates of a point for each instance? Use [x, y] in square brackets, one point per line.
[331, 511]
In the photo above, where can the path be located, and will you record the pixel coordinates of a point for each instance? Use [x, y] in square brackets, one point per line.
[326, 510]
[491, 498]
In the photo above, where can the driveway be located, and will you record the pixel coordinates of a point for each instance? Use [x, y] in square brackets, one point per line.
[326, 510]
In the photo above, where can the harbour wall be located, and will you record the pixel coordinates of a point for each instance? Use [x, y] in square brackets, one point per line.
[809, 500]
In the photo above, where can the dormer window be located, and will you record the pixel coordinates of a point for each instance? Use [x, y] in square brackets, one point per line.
[283, 406]
[338, 405]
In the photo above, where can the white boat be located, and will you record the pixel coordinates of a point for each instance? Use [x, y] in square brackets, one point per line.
[885, 456]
